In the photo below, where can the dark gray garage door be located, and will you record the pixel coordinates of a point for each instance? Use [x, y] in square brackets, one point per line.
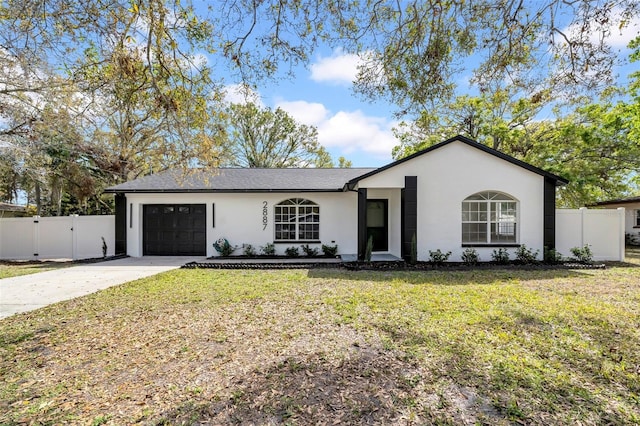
[174, 230]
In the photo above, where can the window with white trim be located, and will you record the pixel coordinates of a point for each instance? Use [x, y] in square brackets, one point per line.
[297, 219]
[637, 218]
[489, 218]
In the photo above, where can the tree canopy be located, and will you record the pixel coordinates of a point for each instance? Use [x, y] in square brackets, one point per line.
[261, 137]
[94, 93]
[596, 146]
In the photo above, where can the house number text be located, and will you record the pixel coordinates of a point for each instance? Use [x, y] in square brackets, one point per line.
[265, 215]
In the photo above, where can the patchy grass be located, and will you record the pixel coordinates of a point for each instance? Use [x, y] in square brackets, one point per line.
[321, 346]
[632, 254]
[14, 269]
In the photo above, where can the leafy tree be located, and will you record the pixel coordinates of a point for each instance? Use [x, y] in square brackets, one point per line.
[593, 147]
[498, 118]
[139, 65]
[271, 139]
[123, 59]
[134, 97]
[411, 50]
[138, 135]
[9, 178]
[343, 163]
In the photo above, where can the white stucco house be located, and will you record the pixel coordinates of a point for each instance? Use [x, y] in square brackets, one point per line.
[632, 216]
[451, 196]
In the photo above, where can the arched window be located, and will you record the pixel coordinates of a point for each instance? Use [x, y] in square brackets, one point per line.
[297, 219]
[489, 218]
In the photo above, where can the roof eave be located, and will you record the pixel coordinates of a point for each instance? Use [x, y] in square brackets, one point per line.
[620, 201]
[219, 191]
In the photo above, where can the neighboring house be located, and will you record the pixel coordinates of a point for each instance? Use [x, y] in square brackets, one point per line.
[451, 196]
[632, 216]
[12, 210]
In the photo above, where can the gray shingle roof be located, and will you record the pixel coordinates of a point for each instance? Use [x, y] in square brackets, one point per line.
[12, 207]
[618, 201]
[243, 180]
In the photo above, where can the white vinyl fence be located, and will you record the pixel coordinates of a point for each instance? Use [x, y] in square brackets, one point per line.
[69, 237]
[80, 237]
[601, 229]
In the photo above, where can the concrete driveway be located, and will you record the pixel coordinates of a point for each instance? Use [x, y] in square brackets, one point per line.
[29, 292]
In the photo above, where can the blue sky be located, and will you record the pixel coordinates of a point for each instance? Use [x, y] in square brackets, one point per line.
[321, 95]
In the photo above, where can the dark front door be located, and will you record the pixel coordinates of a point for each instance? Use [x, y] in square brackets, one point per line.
[377, 224]
[174, 229]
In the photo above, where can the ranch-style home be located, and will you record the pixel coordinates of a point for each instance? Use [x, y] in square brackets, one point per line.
[451, 196]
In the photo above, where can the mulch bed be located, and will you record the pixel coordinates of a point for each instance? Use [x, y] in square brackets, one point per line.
[391, 265]
[250, 265]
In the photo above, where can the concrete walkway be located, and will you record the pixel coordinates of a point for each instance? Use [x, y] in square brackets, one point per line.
[29, 292]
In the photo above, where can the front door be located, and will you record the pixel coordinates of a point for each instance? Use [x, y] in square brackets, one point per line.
[377, 224]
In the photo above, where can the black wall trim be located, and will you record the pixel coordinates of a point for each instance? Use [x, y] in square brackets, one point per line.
[362, 222]
[213, 215]
[549, 215]
[409, 210]
[121, 224]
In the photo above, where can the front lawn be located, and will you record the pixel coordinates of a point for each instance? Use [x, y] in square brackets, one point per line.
[328, 346]
[14, 269]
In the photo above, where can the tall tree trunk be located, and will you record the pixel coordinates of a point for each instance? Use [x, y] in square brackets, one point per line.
[38, 199]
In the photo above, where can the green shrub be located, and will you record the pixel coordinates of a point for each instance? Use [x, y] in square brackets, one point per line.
[330, 251]
[268, 249]
[292, 251]
[104, 247]
[437, 257]
[413, 256]
[248, 250]
[500, 256]
[369, 249]
[309, 251]
[223, 247]
[551, 256]
[526, 255]
[582, 254]
[470, 256]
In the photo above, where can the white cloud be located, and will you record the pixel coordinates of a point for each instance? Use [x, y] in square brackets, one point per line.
[340, 68]
[346, 131]
[354, 131]
[198, 61]
[310, 113]
[616, 36]
[621, 37]
[242, 94]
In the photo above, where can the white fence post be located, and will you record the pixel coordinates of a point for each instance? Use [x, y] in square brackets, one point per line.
[36, 236]
[621, 216]
[74, 236]
[583, 212]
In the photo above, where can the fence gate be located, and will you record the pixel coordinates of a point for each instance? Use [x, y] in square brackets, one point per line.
[68, 237]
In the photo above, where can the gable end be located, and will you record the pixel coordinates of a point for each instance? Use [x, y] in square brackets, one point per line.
[556, 179]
